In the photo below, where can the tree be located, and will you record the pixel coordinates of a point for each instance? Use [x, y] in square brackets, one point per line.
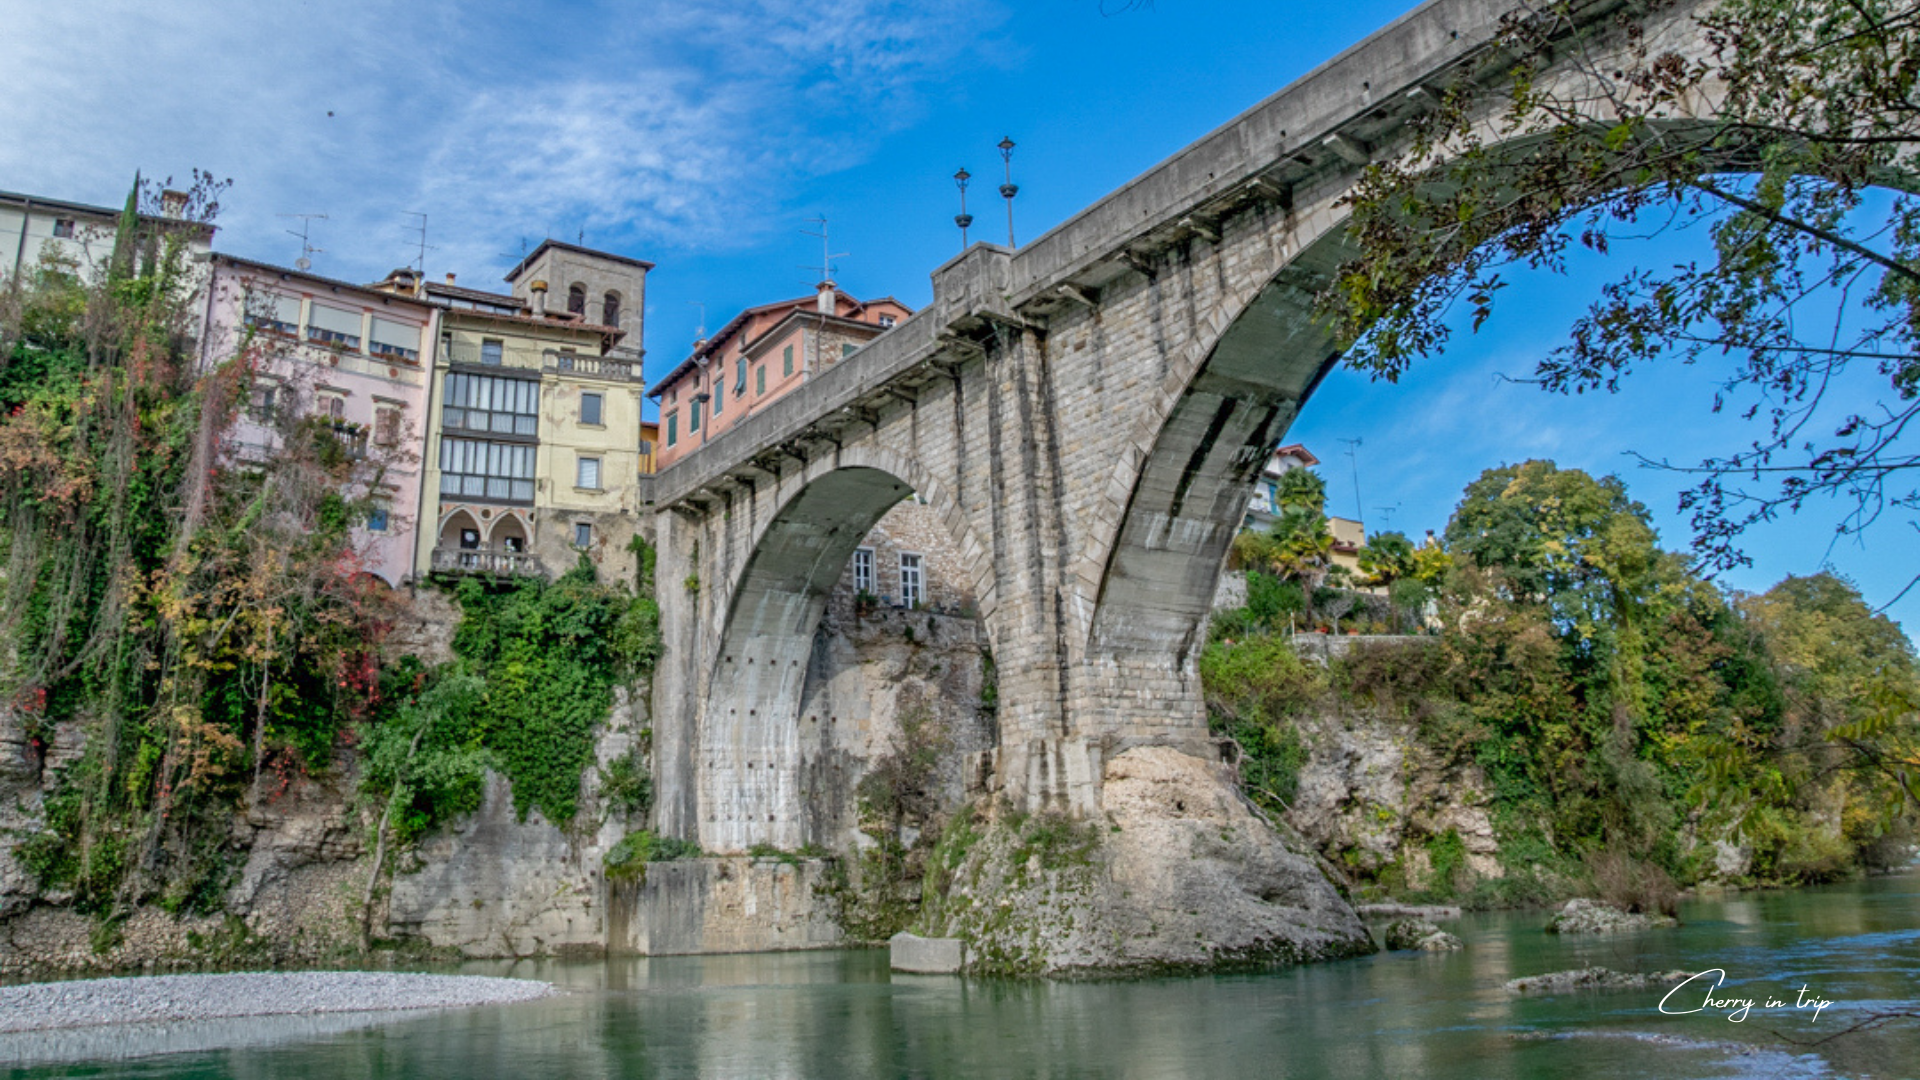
[1814, 277]
[1298, 547]
[1387, 558]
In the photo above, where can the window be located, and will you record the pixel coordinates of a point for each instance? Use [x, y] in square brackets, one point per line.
[719, 392]
[577, 300]
[693, 413]
[332, 326]
[491, 403]
[582, 534]
[514, 544]
[912, 585]
[786, 362]
[263, 403]
[469, 539]
[490, 353]
[673, 428]
[587, 473]
[273, 312]
[590, 409]
[863, 570]
[377, 518]
[610, 309]
[886, 322]
[63, 228]
[470, 468]
[386, 425]
[333, 405]
[848, 350]
[740, 377]
[760, 379]
[396, 340]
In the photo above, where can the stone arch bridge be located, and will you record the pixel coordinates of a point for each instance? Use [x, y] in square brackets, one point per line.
[1086, 415]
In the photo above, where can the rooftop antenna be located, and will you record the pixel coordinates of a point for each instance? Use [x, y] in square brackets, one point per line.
[1387, 512]
[581, 239]
[307, 250]
[700, 334]
[1353, 459]
[827, 254]
[420, 264]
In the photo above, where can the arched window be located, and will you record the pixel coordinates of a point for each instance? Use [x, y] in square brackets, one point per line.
[577, 300]
[610, 310]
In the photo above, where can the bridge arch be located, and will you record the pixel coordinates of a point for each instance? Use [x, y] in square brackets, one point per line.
[748, 759]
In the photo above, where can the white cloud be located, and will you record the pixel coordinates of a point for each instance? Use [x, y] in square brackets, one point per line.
[644, 124]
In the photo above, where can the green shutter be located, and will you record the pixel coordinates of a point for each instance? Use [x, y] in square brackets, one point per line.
[673, 428]
[786, 363]
[760, 379]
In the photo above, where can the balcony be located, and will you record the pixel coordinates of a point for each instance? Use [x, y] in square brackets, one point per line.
[482, 560]
[622, 366]
[613, 368]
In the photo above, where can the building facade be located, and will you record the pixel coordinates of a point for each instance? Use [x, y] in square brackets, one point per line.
[358, 358]
[534, 437]
[78, 237]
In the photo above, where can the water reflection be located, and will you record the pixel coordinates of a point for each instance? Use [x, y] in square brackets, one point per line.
[1396, 1015]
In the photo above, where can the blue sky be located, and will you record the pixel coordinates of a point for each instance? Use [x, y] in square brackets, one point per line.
[702, 137]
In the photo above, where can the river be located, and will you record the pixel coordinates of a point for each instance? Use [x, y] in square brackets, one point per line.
[840, 1014]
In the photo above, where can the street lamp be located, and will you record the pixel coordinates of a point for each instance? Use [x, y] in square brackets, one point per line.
[1009, 189]
[963, 219]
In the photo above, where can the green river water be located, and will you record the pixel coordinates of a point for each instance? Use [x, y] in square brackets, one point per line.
[840, 1014]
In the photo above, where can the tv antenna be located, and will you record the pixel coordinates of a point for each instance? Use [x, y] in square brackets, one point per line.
[307, 250]
[700, 334]
[1353, 459]
[827, 254]
[420, 264]
[1387, 512]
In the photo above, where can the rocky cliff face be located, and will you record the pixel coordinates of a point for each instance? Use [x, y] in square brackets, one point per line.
[1373, 796]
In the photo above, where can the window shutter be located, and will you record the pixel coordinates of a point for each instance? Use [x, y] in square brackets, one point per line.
[336, 320]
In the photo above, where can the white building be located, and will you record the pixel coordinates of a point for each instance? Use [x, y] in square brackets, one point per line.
[76, 235]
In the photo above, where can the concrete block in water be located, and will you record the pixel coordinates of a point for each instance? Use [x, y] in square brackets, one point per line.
[935, 956]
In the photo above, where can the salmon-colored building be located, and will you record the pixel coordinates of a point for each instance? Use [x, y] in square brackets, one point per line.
[759, 355]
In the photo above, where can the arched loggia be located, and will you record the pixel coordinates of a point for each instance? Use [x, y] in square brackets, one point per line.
[748, 755]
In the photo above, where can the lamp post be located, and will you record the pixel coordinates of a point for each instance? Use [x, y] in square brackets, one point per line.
[963, 219]
[1009, 189]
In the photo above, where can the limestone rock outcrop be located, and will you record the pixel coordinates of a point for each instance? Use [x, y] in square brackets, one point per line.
[1179, 874]
[1580, 916]
[1419, 935]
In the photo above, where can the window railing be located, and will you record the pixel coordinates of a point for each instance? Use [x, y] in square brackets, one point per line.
[323, 336]
[483, 560]
[396, 352]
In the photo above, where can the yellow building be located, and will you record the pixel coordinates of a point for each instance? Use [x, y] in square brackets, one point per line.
[534, 438]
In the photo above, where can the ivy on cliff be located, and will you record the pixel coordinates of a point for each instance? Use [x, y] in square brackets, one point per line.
[195, 621]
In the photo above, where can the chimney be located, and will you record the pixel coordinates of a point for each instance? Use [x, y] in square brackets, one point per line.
[449, 277]
[539, 291]
[173, 203]
[825, 304]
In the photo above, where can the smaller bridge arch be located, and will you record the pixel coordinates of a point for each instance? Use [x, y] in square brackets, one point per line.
[748, 756]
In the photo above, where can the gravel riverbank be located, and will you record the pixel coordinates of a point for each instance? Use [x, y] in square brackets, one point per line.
[172, 998]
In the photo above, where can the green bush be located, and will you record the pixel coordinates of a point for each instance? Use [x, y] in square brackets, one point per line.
[627, 860]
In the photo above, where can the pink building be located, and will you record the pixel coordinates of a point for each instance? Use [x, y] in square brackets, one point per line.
[356, 355]
[760, 355]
